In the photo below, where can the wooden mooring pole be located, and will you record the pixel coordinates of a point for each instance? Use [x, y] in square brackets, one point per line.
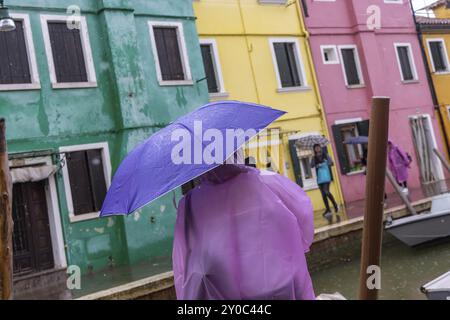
[6, 223]
[373, 212]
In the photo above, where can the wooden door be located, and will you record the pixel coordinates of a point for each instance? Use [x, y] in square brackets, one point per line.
[31, 239]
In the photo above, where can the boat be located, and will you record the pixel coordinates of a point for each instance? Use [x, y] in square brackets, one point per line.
[424, 227]
[438, 289]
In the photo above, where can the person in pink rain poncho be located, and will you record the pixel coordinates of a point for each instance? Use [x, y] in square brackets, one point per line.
[243, 234]
[399, 163]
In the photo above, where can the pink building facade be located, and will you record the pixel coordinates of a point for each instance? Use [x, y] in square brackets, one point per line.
[366, 48]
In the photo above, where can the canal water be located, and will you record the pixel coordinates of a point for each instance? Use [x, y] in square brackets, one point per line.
[403, 271]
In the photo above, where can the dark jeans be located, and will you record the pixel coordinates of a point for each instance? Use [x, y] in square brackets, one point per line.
[326, 194]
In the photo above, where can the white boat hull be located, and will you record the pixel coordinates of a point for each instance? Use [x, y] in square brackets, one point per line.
[421, 228]
[439, 288]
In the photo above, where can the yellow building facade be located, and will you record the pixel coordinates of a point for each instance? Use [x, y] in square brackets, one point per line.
[257, 51]
[435, 34]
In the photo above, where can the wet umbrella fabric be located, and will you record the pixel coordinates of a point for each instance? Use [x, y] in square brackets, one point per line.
[149, 171]
[309, 142]
[243, 234]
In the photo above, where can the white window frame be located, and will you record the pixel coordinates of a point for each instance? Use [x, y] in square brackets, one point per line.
[442, 40]
[308, 184]
[411, 62]
[358, 65]
[298, 60]
[106, 160]
[54, 216]
[217, 67]
[334, 48]
[31, 55]
[393, 1]
[87, 53]
[183, 53]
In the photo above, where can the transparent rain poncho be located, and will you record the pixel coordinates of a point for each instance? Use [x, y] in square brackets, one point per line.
[243, 234]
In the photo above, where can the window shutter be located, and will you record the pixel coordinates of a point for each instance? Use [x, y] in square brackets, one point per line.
[169, 53]
[363, 128]
[68, 56]
[405, 63]
[351, 70]
[80, 183]
[209, 68]
[97, 177]
[438, 58]
[340, 149]
[14, 67]
[295, 163]
[287, 65]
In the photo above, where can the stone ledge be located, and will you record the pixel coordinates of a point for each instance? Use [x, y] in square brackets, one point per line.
[141, 289]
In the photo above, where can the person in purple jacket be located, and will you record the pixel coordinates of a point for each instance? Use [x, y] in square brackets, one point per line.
[399, 163]
[242, 234]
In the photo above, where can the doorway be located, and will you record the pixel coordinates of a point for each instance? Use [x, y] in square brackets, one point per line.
[32, 242]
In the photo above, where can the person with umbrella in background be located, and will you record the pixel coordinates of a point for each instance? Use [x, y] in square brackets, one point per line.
[323, 163]
[399, 163]
[240, 233]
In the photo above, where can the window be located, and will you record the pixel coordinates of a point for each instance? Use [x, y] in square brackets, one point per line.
[406, 62]
[394, 1]
[68, 53]
[351, 65]
[170, 54]
[350, 155]
[18, 69]
[213, 71]
[288, 64]
[329, 54]
[305, 175]
[438, 54]
[86, 178]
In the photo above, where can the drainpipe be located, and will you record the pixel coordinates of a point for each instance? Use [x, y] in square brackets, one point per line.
[249, 51]
[316, 89]
[430, 80]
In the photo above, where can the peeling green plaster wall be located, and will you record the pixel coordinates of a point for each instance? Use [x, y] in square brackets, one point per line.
[127, 106]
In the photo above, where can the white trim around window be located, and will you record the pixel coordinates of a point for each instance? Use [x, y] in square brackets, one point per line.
[183, 54]
[217, 68]
[87, 53]
[442, 41]
[393, 1]
[298, 59]
[68, 192]
[411, 62]
[358, 65]
[31, 54]
[333, 50]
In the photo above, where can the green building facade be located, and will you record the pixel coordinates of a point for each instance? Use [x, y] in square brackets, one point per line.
[83, 123]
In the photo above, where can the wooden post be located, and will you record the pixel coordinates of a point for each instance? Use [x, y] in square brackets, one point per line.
[6, 223]
[403, 196]
[442, 158]
[373, 212]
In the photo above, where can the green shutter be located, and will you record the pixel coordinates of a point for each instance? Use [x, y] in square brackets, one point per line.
[343, 164]
[296, 163]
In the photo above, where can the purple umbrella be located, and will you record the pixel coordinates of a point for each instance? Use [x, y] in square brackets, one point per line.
[357, 140]
[183, 151]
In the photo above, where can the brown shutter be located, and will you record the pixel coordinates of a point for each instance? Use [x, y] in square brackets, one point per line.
[169, 54]
[14, 66]
[97, 177]
[80, 182]
[343, 163]
[209, 68]
[351, 70]
[67, 52]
